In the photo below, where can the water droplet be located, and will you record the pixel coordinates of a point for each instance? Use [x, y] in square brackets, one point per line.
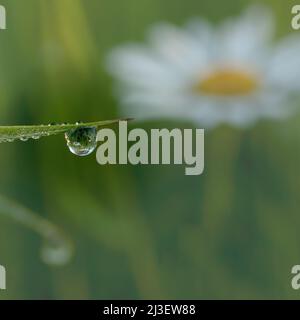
[24, 138]
[56, 254]
[36, 136]
[82, 141]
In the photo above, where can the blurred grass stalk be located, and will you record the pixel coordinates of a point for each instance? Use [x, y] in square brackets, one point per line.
[57, 249]
[64, 23]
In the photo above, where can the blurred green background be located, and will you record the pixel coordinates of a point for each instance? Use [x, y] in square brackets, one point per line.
[139, 232]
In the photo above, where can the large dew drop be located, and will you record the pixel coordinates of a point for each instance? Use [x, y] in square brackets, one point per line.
[82, 141]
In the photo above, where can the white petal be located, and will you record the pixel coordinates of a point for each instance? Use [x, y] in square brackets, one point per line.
[141, 67]
[144, 102]
[179, 48]
[246, 40]
[284, 72]
[274, 105]
[203, 32]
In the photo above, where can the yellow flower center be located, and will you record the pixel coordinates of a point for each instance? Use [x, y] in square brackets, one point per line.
[227, 83]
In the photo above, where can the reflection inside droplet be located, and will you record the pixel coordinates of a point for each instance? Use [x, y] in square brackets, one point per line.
[82, 141]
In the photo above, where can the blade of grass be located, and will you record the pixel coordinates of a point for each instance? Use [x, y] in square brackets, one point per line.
[11, 133]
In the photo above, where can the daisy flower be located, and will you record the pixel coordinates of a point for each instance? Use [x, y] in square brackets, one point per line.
[231, 74]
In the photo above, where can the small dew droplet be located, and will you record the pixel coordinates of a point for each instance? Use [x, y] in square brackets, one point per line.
[82, 141]
[56, 255]
[24, 138]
